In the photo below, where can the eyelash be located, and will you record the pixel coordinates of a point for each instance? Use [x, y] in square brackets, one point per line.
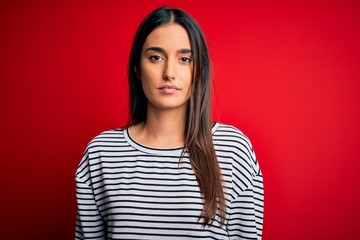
[156, 58]
[185, 59]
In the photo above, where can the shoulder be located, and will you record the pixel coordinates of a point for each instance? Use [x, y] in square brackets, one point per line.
[232, 143]
[228, 130]
[107, 137]
[229, 135]
[106, 141]
[103, 142]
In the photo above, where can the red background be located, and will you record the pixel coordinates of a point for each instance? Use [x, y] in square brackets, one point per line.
[287, 74]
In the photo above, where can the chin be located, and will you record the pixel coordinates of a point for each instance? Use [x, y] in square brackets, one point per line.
[170, 106]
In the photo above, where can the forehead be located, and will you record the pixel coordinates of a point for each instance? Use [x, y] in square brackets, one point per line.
[169, 36]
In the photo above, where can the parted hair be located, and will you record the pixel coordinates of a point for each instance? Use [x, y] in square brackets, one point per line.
[198, 128]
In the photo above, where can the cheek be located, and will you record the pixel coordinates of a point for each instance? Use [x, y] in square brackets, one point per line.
[147, 71]
[146, 83]
[188, 81]
[147, 80]
[188, 87]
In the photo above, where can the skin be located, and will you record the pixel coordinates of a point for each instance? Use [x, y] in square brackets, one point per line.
[166, 74]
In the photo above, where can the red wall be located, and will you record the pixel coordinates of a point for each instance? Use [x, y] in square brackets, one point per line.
[286, 74]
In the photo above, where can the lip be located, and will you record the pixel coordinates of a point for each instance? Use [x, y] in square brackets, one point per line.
[168, 89]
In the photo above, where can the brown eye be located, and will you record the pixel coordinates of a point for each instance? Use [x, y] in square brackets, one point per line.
[185, 59]
[155, 58]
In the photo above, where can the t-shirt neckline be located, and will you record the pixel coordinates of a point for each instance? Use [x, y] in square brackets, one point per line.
[157, 151]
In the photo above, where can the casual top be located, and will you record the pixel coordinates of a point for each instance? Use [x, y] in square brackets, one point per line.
[129, 191]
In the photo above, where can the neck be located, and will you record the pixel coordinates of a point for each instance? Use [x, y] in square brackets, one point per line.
[162, 129]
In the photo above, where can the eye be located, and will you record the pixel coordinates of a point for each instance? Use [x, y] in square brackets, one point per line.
[155, 58]
[185, 59]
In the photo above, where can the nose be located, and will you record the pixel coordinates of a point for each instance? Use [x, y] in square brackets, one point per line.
[169, 71]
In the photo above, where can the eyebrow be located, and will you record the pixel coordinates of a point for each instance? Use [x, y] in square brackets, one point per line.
[161, 50]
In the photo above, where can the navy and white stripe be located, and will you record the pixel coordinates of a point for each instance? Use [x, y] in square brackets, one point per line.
[129, 191]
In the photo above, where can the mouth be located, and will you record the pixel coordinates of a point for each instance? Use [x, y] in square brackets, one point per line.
[168, 89]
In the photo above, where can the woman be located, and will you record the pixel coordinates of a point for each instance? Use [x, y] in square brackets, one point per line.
[171, 173]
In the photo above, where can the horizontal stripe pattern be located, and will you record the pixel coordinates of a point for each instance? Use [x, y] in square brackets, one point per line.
[128, 191]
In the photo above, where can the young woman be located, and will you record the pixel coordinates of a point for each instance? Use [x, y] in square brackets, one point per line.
[171, 173]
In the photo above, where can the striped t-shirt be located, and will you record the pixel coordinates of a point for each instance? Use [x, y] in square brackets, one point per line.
[129, 191]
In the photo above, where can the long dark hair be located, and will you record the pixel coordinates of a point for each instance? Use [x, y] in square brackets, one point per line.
[198, 133]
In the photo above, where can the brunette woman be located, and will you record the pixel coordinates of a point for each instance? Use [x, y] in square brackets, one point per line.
[171, 173]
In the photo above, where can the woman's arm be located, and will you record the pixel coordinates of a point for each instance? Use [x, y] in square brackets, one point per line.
[89, 221]
[246, 213]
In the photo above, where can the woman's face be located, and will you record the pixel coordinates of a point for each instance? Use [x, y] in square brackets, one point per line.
[166, 67]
